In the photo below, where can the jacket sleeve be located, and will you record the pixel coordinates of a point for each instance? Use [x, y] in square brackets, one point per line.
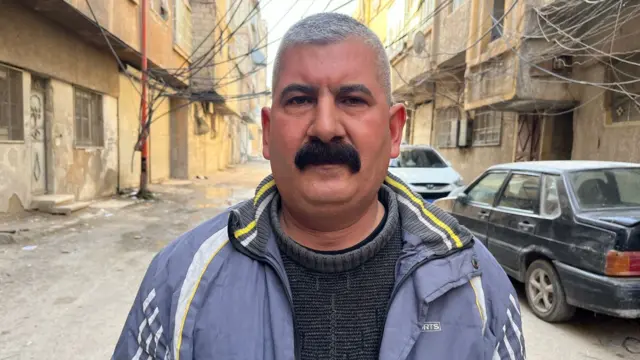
[511, 346]
[143, 335]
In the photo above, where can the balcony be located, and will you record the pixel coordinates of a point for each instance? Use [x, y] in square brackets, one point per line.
[123, 32]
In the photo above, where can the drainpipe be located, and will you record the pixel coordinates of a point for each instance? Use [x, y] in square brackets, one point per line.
[144, 149]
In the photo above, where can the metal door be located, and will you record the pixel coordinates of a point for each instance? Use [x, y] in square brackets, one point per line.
[37, 137]
[528, 140]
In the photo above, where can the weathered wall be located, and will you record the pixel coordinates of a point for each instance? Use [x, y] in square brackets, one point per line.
[209, 152]
[471, 162]
[422, 124]
[122, 18]
[86, 172]
[128, 127]
[452, 33]
[15, 177]
[32, 42]
[256, 142]
[594, 137]
[159, 143]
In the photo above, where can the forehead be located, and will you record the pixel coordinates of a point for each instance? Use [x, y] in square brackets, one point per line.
[347, 62]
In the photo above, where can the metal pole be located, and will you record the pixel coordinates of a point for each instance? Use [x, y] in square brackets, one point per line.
[144, 152]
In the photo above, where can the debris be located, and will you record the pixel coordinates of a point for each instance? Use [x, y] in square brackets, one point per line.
[108, 215]
[631, 344]
[65, 251]
[137, 237]
[30, 247]
[7, 239]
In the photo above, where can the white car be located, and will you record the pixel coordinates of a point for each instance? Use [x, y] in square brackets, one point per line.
[426, 172]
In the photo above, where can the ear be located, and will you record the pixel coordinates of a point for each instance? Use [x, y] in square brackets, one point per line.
[397, 119]
[266, 122]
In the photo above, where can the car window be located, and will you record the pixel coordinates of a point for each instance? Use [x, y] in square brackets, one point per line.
[607, 188]
[550, 200]
[486, 189]
[418, 158]
[522, 193]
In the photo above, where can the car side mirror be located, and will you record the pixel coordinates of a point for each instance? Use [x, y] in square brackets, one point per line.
[463, 199]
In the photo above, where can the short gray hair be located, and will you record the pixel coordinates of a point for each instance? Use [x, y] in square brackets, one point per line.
[331, 28]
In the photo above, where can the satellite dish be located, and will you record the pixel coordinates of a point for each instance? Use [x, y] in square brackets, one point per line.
[418, 42]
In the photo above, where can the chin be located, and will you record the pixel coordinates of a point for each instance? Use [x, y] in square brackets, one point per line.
[325, 191]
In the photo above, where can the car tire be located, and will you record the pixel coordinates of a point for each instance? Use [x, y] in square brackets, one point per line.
[545, 293]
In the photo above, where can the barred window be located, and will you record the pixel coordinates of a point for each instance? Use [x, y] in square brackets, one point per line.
[447, 127]
[89, 125]
[487, 128]
[11, 112]
[625, 101]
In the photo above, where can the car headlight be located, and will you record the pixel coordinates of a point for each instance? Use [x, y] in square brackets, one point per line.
[458, 182]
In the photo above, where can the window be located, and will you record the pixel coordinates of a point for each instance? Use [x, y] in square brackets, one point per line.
[418, 158]
[522, 193]
[161, 7]
[497, 21]
[625, 101]
[447, 127]
[89, 126]
[607, 188]
[550, 200]
[487, 128]
[485, 190]
[11, 111]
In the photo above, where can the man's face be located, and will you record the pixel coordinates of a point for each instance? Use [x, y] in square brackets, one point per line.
[330, 132]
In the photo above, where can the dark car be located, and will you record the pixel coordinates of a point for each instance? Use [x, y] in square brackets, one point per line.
[570, 230]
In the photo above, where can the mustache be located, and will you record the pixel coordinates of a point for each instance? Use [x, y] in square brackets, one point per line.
[335, 152]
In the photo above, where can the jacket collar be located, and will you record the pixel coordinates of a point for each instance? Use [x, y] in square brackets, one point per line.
[428, 231]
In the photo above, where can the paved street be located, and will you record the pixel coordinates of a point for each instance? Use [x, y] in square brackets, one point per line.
[68, 297]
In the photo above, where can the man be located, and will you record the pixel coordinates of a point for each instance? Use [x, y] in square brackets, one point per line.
[333, 258]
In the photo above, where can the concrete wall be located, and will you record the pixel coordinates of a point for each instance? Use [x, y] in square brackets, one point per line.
[15, 177]
[86, 172]
[128, 127]
[594, 137]
[452, 32]
[209, 152]
[422, 124]
[159, 143]
[471, 162]
[31, 42]
[122, 18]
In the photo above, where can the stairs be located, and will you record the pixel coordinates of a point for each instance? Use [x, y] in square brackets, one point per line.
[59, 204]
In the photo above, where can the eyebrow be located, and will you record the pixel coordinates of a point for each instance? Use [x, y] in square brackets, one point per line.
[347, 89]
[301, 88]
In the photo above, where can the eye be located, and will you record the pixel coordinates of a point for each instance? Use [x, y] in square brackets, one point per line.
[353, 101]
[299, 100]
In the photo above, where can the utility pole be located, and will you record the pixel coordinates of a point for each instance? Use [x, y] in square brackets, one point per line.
[144, 148]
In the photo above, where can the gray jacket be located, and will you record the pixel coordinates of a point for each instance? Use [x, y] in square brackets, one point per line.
[220, 291]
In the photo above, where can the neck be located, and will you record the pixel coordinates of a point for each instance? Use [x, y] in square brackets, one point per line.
[333, 232]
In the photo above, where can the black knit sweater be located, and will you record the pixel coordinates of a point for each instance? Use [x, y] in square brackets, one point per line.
[340, 298]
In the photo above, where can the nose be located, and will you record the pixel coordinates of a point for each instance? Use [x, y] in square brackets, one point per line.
[326, 124]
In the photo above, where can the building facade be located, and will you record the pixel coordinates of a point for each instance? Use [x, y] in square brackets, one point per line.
[70, 94]
[61, 94]
[493, 81]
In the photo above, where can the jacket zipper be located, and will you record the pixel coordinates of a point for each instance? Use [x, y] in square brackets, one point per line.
[405, 277]
[296, 340]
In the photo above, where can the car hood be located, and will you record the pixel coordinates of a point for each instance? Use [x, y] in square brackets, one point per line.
[426, 175]
[626, 218]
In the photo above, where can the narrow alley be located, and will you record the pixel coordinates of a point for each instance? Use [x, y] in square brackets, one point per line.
[67, 287]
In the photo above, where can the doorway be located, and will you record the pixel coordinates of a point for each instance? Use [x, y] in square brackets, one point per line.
[528, 138]
[37, 136]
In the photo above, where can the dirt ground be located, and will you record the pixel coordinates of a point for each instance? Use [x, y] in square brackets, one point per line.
[67, 286]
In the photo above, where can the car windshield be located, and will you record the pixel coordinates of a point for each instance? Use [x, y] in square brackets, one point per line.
[606, 188]
[418, 158]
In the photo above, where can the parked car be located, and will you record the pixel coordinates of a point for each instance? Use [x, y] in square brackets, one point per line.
[425, 171]
[570, 230]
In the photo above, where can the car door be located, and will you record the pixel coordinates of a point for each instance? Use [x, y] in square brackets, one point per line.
[479, 197]
[513, 222]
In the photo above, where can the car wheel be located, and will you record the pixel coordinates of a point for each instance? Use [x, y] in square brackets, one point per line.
[545, 293]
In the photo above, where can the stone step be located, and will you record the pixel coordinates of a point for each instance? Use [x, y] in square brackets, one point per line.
[67, 209]
[44, 202]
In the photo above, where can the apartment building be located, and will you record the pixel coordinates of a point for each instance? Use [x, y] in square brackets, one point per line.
[491, 81]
